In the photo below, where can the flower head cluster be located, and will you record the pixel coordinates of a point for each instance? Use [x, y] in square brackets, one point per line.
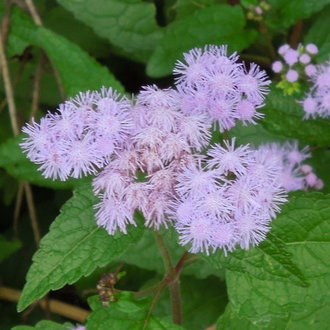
[141, 175]
[317, 101]
[256, 11]
[80, 138]
[230, 197]
[148, 154]
[219, 86]
[295, 65]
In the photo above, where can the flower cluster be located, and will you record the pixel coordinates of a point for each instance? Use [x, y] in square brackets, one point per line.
[150, 154]
[295, 63]
[141, 175]
[256, 11]
[218, 86]
[317, 101]
[230, 197]
[82, 135]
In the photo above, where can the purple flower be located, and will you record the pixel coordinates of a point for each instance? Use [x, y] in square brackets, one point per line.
[317, 100]
[310, 70]
[114, 214]
[277, 66]
[312, 49]
[247, 113]
[220, 85]
[228, 158]
[292, 76]
[291, 57]
[150, 154]
[283, 49]
[304, 58]
[254, 84]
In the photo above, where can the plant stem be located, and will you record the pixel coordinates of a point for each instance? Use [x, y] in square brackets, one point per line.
[173, 279]
[263, 28]
[167, 260]
[175, 294]
[296, 33]
[8, 88]
[37, 20]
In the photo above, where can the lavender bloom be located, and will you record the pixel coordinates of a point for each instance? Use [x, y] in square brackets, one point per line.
[80, 138]
[277, 66]
[219, 86]
[304, 59]
[228, 159]
[230, 199]
[317, 100]
[292, 75]
[283, 49]
[149, 154]
[291, 56]
[310, 70]
[312, 49]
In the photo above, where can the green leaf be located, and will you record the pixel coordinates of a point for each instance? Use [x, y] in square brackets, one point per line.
[286, 13]
[64, 23]
[253, 134]
[45, 325]
[18, 166]
[184, 8]
[220, 24]
[284, 116]
[320, 161]
[202, 301]
[74, 247]
[126, 313]
[129, 25]
[8, 247]
[304, 226]
[319, 35]
[230, 320]
[270, 260]
[78, 71]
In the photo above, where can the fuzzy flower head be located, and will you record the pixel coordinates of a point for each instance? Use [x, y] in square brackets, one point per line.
[81, 137]
[211, 82]
[235, 193]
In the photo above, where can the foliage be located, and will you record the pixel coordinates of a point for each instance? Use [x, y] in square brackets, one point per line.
[124, 44]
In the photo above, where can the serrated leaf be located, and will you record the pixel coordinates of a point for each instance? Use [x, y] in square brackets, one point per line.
[286, 13]
[74, 247]
[18, 166]
[121, 315]
[8, 247]
[62, 22]
[319, 35]
[230, 320]
[45, 325]
[284, 116]
[270, 260]
[304, 225]
[129, 25]
[79, 71]
[219, 24]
